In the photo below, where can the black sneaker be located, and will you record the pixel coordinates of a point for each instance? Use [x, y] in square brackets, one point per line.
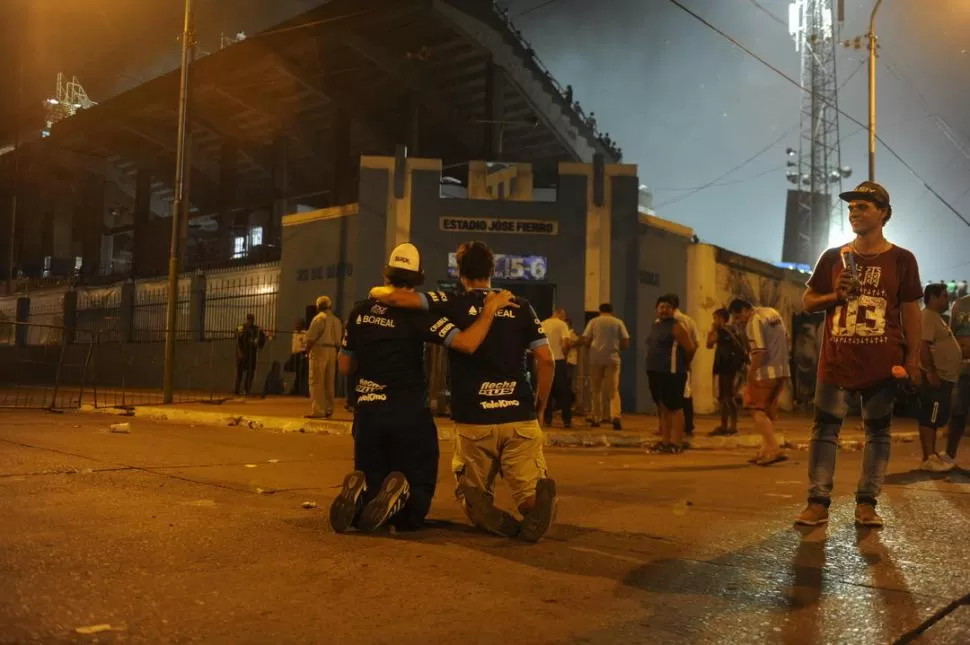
[538, 521]
[393, 495]
[484, 514]
[617, 425]
[344, 510]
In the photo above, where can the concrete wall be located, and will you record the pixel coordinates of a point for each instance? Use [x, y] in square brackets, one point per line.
[626, 255]
[664, 248]
[715, 277]
[319, 258]
[564, 251]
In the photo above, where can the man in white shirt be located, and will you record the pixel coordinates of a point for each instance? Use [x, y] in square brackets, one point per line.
[606, 336]
[557, 331]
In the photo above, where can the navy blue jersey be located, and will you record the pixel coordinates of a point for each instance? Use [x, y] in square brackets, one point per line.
[388, 344]
[492, 385]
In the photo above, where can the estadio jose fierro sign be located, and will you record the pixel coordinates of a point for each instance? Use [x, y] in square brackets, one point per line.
[499, 225]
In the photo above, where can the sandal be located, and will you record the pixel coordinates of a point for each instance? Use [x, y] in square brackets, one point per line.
[767, 461]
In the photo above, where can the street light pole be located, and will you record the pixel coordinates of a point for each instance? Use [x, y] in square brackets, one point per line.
[15, 182]
[188, 38]
[872, 91]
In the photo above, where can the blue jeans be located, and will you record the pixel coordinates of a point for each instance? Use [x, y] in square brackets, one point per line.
[961, 398]
[958, 414]
[831, 406]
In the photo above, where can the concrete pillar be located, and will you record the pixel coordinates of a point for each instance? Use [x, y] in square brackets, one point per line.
[140, 261]
[61, 233]
[342, 189]
[70, 316]
[197, 306]
[281, 192]
[624, 255]
[228, 192]
[126, 317]
[414, 126]
[89, 224]
[494, 111]
[47, 232]
[700, 295]
[23, 317]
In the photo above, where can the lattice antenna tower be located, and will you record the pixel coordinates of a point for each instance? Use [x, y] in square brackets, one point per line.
[228, 41]
[70, 98]
[815, 28]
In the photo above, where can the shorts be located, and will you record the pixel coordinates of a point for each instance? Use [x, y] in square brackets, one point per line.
[727, 385]
[513, 450]
[764, 394]
[934, 404]
[667, 390]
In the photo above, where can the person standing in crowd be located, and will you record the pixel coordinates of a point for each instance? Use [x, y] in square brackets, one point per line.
[249, 340]
[729, 359]
[869, 291]
[495, 410]
[768, 372]
[691, 328]
[298, 360]
[322, 341]
[669, 351]
[557, 332]
[606, 336]
[960, 325]
[940, 359]
[572, 359]
[395, 438]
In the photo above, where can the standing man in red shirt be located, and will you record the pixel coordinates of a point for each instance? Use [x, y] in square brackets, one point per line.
[872, 323]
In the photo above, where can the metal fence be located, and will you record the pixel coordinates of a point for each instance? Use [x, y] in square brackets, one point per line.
[48, 376]
[82, 366]
[99, 311]
[150, 318]
[231, 295]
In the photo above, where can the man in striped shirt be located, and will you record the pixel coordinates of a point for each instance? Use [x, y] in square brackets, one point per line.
[769, 370]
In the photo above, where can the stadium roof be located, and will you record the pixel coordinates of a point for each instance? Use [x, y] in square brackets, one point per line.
[370, 60]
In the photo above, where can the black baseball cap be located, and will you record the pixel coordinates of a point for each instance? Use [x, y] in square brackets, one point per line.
[868, 191]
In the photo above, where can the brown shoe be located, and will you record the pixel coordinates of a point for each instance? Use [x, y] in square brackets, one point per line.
[813, 515]
[866, 515]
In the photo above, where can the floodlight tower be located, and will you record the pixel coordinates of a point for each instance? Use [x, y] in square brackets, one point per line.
[815, 28]
[70, 98]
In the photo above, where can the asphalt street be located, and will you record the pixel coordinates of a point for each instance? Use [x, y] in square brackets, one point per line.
[182, 534]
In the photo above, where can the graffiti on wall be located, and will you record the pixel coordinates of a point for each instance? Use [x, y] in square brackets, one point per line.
[783, 294]
[806, 345]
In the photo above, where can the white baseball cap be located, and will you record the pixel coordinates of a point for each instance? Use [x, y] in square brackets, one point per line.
[406, 257]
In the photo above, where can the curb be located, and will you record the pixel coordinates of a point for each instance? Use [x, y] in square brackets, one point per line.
[554, 438]
[252, 422]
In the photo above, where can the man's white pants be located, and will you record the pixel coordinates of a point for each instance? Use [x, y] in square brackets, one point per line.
[323, 371]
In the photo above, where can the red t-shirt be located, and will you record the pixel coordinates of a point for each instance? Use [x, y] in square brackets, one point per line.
[863, 338]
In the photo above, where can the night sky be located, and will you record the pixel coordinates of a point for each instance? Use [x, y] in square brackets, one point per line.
[683, 102]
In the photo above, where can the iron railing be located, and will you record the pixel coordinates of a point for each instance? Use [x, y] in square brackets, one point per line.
[44, 376]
